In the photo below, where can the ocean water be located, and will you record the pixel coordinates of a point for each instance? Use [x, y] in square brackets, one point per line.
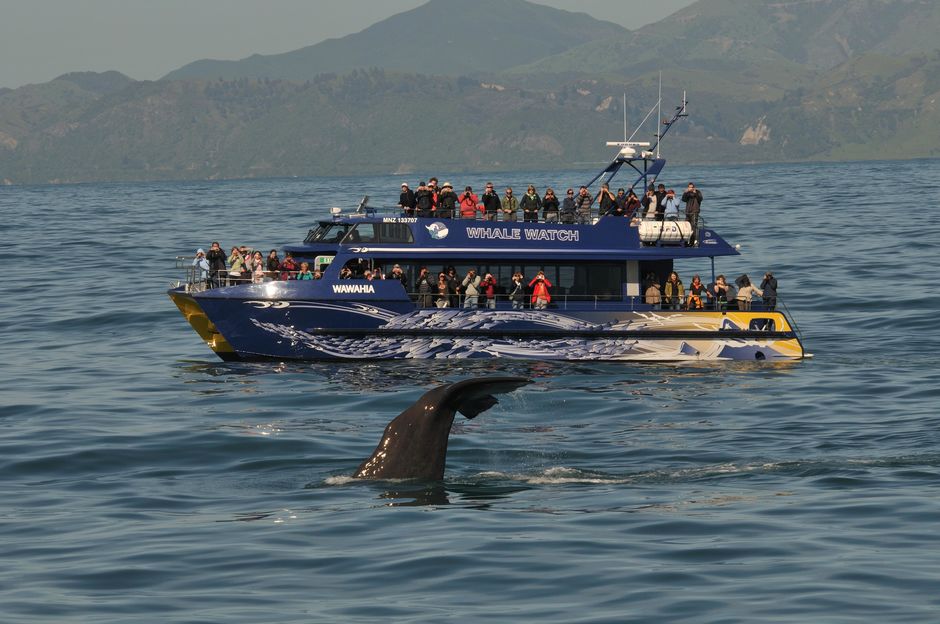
[144, 480]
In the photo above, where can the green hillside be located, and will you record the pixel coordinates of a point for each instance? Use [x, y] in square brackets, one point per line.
[450, 37]
[764, 102]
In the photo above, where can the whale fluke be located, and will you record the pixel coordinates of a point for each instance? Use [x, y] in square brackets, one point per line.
[415, 442]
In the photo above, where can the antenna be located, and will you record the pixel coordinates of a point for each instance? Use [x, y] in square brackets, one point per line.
[659, 111]
[625, 139]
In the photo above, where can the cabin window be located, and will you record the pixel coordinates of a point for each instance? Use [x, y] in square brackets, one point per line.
[602, 281]
[327, 233]
[395, 233]
[380, 233]
[762, 324]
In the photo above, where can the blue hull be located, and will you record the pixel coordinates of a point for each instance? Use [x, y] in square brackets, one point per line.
[331, 329]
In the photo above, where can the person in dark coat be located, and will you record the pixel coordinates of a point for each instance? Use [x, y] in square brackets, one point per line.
[693, 204]
[568, 212]
[530, 203]
[631, 205]
[425, 286]
[769, 288]
[490, 202]
[216, 258]
[424, 201]
[447, 201]
[606, 202]
[660, 202]
[407, 200]
[550, 206]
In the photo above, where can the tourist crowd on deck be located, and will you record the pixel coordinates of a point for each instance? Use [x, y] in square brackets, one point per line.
[242, 264]
[718, 295]
[657, 203]
[245, 265]
[448, 290]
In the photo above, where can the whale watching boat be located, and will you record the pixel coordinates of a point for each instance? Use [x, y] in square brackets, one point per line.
[597, 271]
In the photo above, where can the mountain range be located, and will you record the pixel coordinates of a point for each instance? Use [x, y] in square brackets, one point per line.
[503, 84]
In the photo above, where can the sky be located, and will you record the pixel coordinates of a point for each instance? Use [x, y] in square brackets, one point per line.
[146, 39]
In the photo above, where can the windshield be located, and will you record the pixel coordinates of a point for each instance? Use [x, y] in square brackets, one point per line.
[327, 233]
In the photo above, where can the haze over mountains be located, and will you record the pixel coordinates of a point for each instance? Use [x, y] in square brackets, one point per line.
[503, 84]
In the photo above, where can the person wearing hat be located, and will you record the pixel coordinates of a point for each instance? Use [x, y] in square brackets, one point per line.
[407, 200]
[660, 201]
[200, 267]
[424, 201]
[446, 201]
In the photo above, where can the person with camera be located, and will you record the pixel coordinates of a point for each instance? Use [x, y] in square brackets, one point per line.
[200, 268]
[491, 204]
[769, 288]
[582, 205]
[606, 202]
[631, 205]
[446, 202]
[488, 288]
[216, 258]
[531, 203]
[469, 204]
[671, 207]
[693, 206]
[288, 267]
[540, 295]
[443, 292]
[425, 287]
[238, 265]
[424, 201]
[550, 206]
[398, 273]
[718, 293]
[272, 264]
[471, 289]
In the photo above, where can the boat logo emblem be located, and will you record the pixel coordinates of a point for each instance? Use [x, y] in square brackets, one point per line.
[437, 230]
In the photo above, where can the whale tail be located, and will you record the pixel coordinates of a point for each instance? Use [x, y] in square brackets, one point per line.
[472, 397]
[415, 442]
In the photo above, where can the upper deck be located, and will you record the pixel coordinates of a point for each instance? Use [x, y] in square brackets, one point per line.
[608, 238]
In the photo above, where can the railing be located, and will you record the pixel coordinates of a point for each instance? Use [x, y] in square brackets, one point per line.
[500, 217]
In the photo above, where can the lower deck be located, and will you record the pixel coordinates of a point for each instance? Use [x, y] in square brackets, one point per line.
[246, 328]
